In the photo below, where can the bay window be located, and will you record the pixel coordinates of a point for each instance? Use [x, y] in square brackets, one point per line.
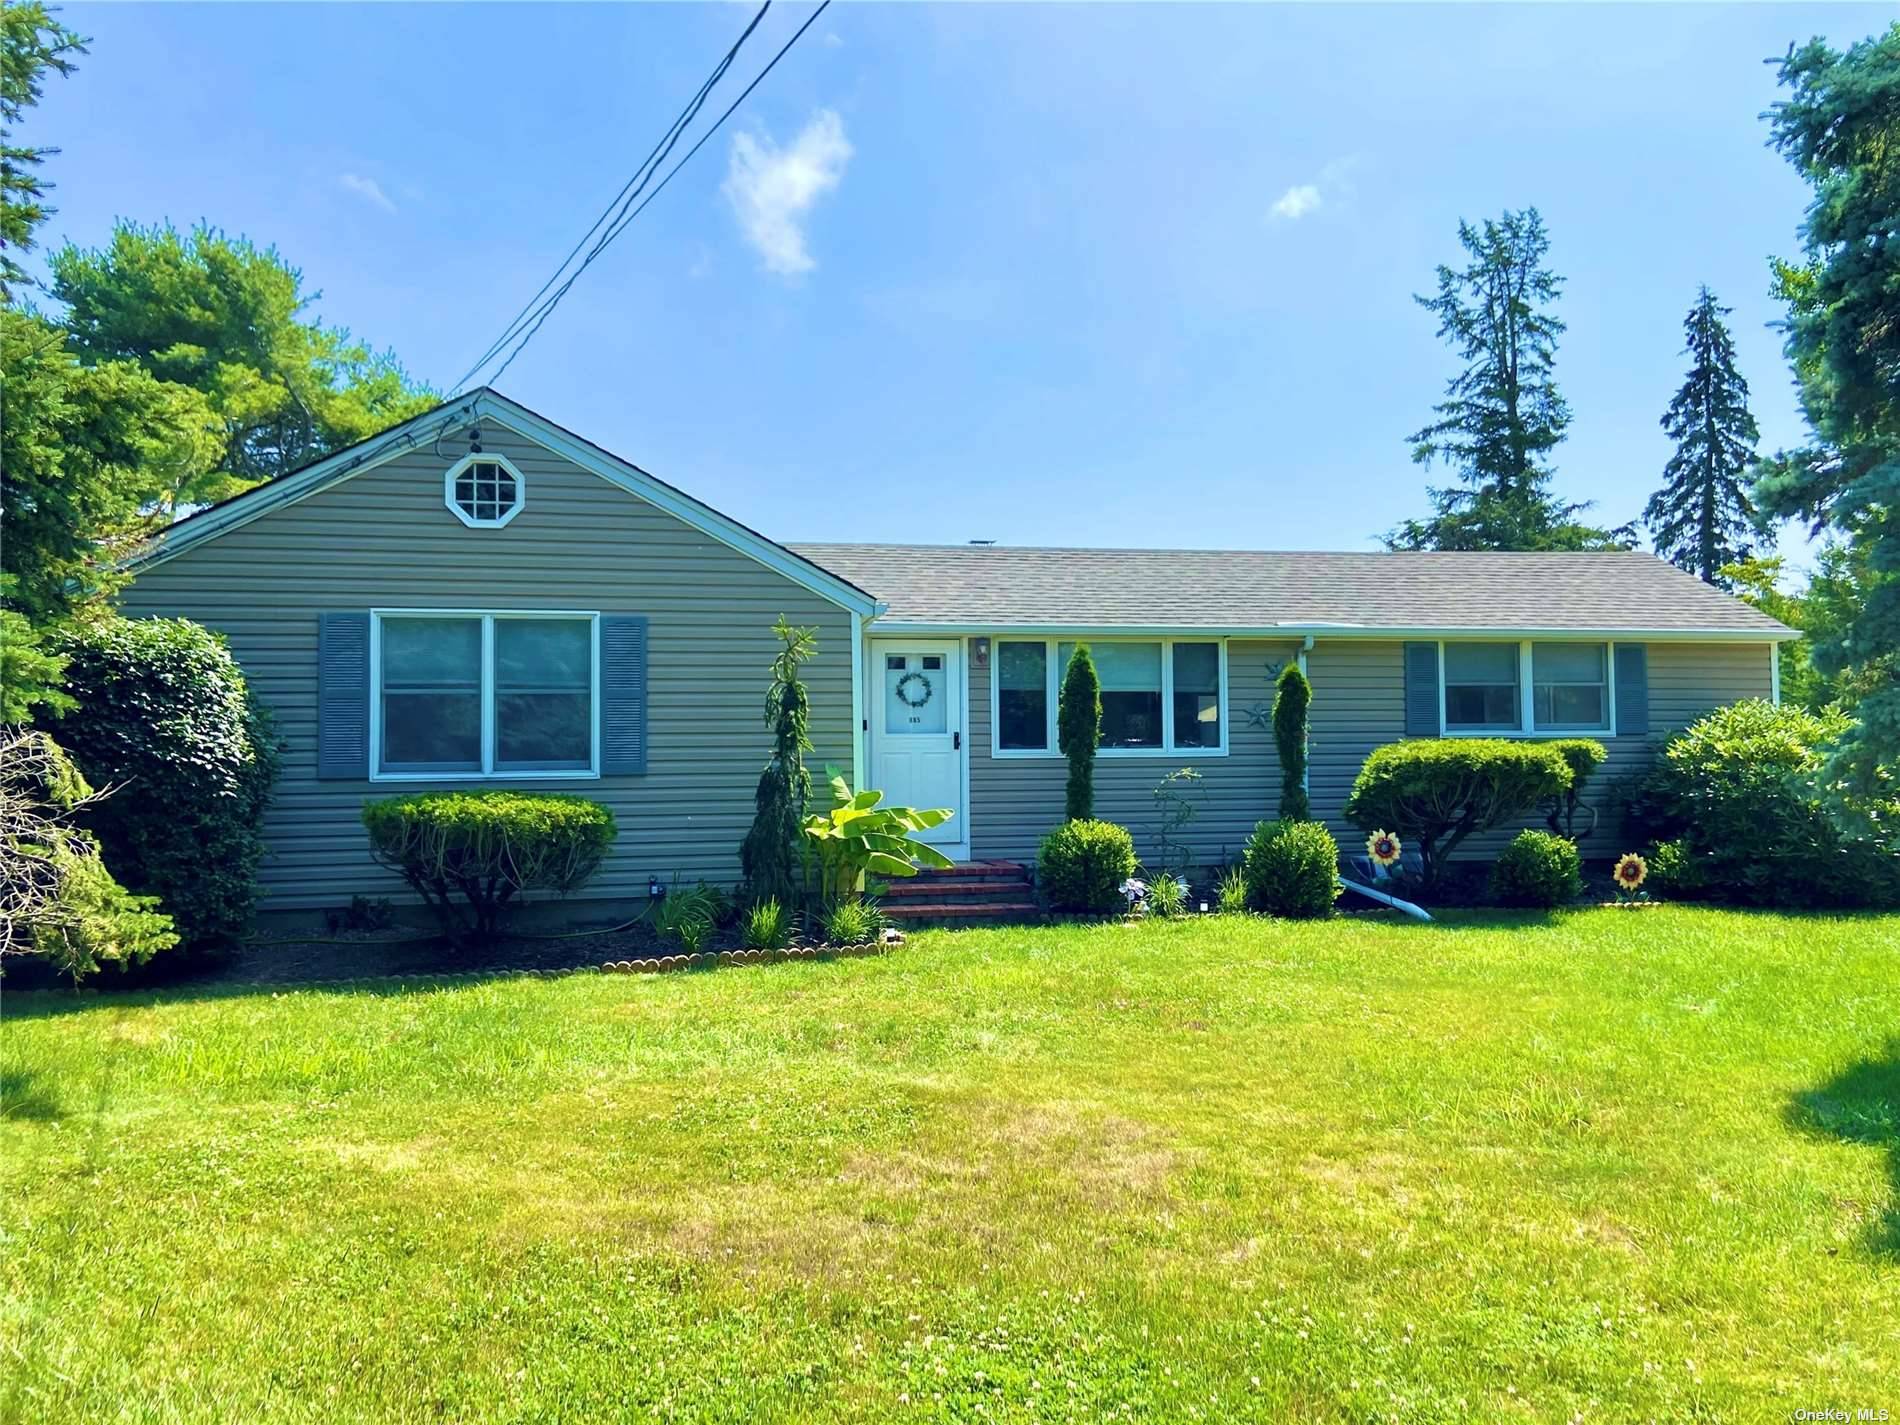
[1526, 688]
[459, 695]
[1159, 696]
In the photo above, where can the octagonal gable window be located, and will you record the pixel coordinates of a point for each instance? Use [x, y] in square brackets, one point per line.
[484, 491]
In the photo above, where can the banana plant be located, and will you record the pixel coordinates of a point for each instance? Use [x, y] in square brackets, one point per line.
[861, 837]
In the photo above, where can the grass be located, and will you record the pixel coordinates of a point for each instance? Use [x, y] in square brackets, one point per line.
[1609, 1166]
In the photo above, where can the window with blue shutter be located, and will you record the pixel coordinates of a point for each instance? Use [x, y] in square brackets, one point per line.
[343, 696]
[1632, 689]
[623, 695]
[1421, 690]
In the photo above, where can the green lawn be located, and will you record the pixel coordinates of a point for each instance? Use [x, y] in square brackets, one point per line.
[1613, 1166]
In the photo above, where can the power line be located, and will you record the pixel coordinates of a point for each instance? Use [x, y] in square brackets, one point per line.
[631, 188]
[620, 223]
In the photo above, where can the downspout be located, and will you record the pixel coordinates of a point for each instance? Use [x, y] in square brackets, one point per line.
[1774, 674]
[1416, 912]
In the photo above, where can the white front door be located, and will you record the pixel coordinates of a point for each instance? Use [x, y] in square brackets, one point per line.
[917, 730]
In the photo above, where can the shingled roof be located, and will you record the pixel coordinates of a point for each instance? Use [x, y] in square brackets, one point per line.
[977, 587]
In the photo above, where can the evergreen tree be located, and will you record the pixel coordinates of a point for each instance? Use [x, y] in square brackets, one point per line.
[1502, 415]
[32, 43]
[1702, 518]
[770, 855]
[1292, 695]
[1841, 129]
[1079, 730]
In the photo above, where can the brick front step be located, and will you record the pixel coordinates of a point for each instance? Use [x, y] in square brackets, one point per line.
[986, 911]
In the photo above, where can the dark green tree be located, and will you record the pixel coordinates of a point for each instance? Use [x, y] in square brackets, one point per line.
[1502, 414]
[1292, 695]
[1702, 519]
[32, 44]
[769, 857]
[230, 320]
[1840, 128]
[1079, 730]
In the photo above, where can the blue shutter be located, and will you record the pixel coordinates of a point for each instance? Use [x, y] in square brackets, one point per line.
[623, 695]
[1632, 689]
[1421, 690]
[342, 697]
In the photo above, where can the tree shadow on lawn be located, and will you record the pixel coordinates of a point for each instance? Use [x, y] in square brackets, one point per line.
[22, 1096]
[1861, 1104]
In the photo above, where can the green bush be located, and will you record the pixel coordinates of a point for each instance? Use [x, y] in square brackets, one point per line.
[1232, 891]
[166, 722]
[766, 926]
[1167, 895]
[1292, 696]
[1082, 864]
[1079, 730]
[1672, 873]
[1539, 870]
[690, 914]
[1737, 790]
[487, 848]
[853, 922]
[1565, 810]
[1292, 869]
[1434, 792]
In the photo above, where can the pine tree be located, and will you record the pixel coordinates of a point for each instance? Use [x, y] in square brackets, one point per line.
[1840, 127]
[1503, 414]
[1702, 518]
[769, 857]
[32, 45]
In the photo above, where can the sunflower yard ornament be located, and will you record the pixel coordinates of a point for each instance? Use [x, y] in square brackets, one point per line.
[1630, 873]
[1384, 848]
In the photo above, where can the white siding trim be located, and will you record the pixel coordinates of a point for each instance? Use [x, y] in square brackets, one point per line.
[1774, 673]
[1272, 633]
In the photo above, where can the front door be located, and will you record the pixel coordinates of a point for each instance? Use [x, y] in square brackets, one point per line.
[917, 730]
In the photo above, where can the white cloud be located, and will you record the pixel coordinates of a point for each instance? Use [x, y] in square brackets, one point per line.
[1298, 201]
[1333, 184]
[368, 189]
[772, 189]
[832, 41]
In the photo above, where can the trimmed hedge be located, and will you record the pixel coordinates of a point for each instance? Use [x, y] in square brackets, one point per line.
[1435, 792]
[487, 847]
[1292, 869]
[1538, 870]
[1735, 798]
[1082, 864]
[166, 722]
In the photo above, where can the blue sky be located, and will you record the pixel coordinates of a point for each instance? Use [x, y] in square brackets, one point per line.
[1123, 275]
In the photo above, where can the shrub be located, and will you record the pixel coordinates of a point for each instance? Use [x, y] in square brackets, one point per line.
[1582, 755]
[1539, 870]
[1292, 695]
[689, 915]
[1292, 869]
[1671, 871]
[487, 847]
[1232, 891]
[1167, 896]
[167, 723]
[1079, 730]
[766, 926]
[1435, 792]
[770, 856]
[1738, 792]
[57, 899]
[1081, 865]
[853, 922]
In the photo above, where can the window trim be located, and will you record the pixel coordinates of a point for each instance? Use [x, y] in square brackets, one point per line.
[1527, 692]
[1053, 672]
[489, 772]
[483, 457]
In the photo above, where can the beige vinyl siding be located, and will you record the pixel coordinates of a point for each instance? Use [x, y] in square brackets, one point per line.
[384, 539]
[1015, 800]
[1358, 704]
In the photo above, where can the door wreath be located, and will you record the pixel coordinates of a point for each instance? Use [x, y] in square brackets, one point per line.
[905, 683]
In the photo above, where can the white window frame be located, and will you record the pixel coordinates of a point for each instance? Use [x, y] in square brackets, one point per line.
[1526, 694]
[1054, 672]
[481, 457]
[488, 772]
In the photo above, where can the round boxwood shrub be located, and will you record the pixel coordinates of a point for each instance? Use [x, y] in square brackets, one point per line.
[1538, 870]
[1292, 869]
[1736, 792]
[486, 848]
[1082, 865]
[166, 722]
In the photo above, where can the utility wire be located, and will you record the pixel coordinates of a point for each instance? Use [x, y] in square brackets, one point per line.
[620, 223]
[629, 189]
